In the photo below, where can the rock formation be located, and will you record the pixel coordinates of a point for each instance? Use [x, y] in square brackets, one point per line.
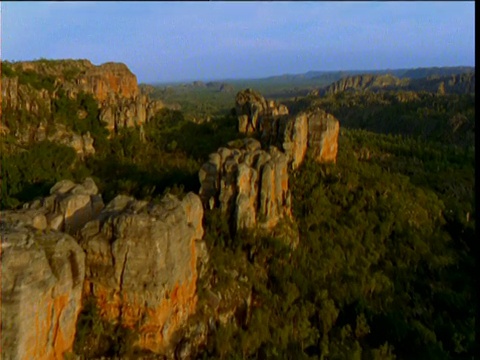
[137, 260]
[251, 108]
[31, 87]
[248, 184]
[68, 208]
[141, 265]
[314, 132]
[42, 279]
[365, 82]
[463, 83]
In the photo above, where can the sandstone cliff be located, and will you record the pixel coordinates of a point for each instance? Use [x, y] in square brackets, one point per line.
[141, 265]
[42, 279]
[314, 132]
[137, 260]
[31, 88]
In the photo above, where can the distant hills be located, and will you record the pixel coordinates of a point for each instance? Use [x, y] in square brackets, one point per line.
[463, 83]
[412, 73]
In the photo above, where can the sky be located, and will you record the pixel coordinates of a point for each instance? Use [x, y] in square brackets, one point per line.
[186, 41]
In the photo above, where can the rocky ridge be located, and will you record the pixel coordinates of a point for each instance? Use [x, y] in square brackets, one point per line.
[33, 86]
[314, 131]
[452, 84]
[250, 184]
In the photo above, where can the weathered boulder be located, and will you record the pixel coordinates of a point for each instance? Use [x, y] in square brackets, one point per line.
[251, 108]
[248, 184]
[68, 208]
[141, 265]
[42, 280]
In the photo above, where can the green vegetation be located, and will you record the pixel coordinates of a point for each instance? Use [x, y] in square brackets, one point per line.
[442, 118]
[384, 265]
[31, 173]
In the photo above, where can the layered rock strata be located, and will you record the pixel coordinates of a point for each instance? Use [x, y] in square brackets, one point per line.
[42, 279]
[141, 261]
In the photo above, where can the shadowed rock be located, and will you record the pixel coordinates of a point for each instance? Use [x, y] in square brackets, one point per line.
[248, 184]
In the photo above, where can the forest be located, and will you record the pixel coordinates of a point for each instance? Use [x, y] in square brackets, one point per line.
[384, 267]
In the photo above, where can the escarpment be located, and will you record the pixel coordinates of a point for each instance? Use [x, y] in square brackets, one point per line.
[137, 261]
[365, 82]
[36, 89]
[463, 83]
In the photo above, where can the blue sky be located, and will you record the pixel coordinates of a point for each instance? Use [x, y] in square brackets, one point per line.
[175, 41]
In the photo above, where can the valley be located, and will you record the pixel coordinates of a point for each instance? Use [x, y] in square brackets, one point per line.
[327, 215]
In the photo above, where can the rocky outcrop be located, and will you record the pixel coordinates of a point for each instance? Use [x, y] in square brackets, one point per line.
[112, 85]
[452, 84]
[365, 82]
[252, 108]
[248, 184]
[314, 132]
[68, 208]
[137, 260]
[42, 279]
[119, 113]
[141, 261]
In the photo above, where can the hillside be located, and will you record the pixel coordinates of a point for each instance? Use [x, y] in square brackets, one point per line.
[301, 227]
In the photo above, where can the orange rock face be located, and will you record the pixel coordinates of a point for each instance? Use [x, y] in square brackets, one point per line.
[141, 265]
[110, 78]
[113, 86]
[42, 277]
[323, 130]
